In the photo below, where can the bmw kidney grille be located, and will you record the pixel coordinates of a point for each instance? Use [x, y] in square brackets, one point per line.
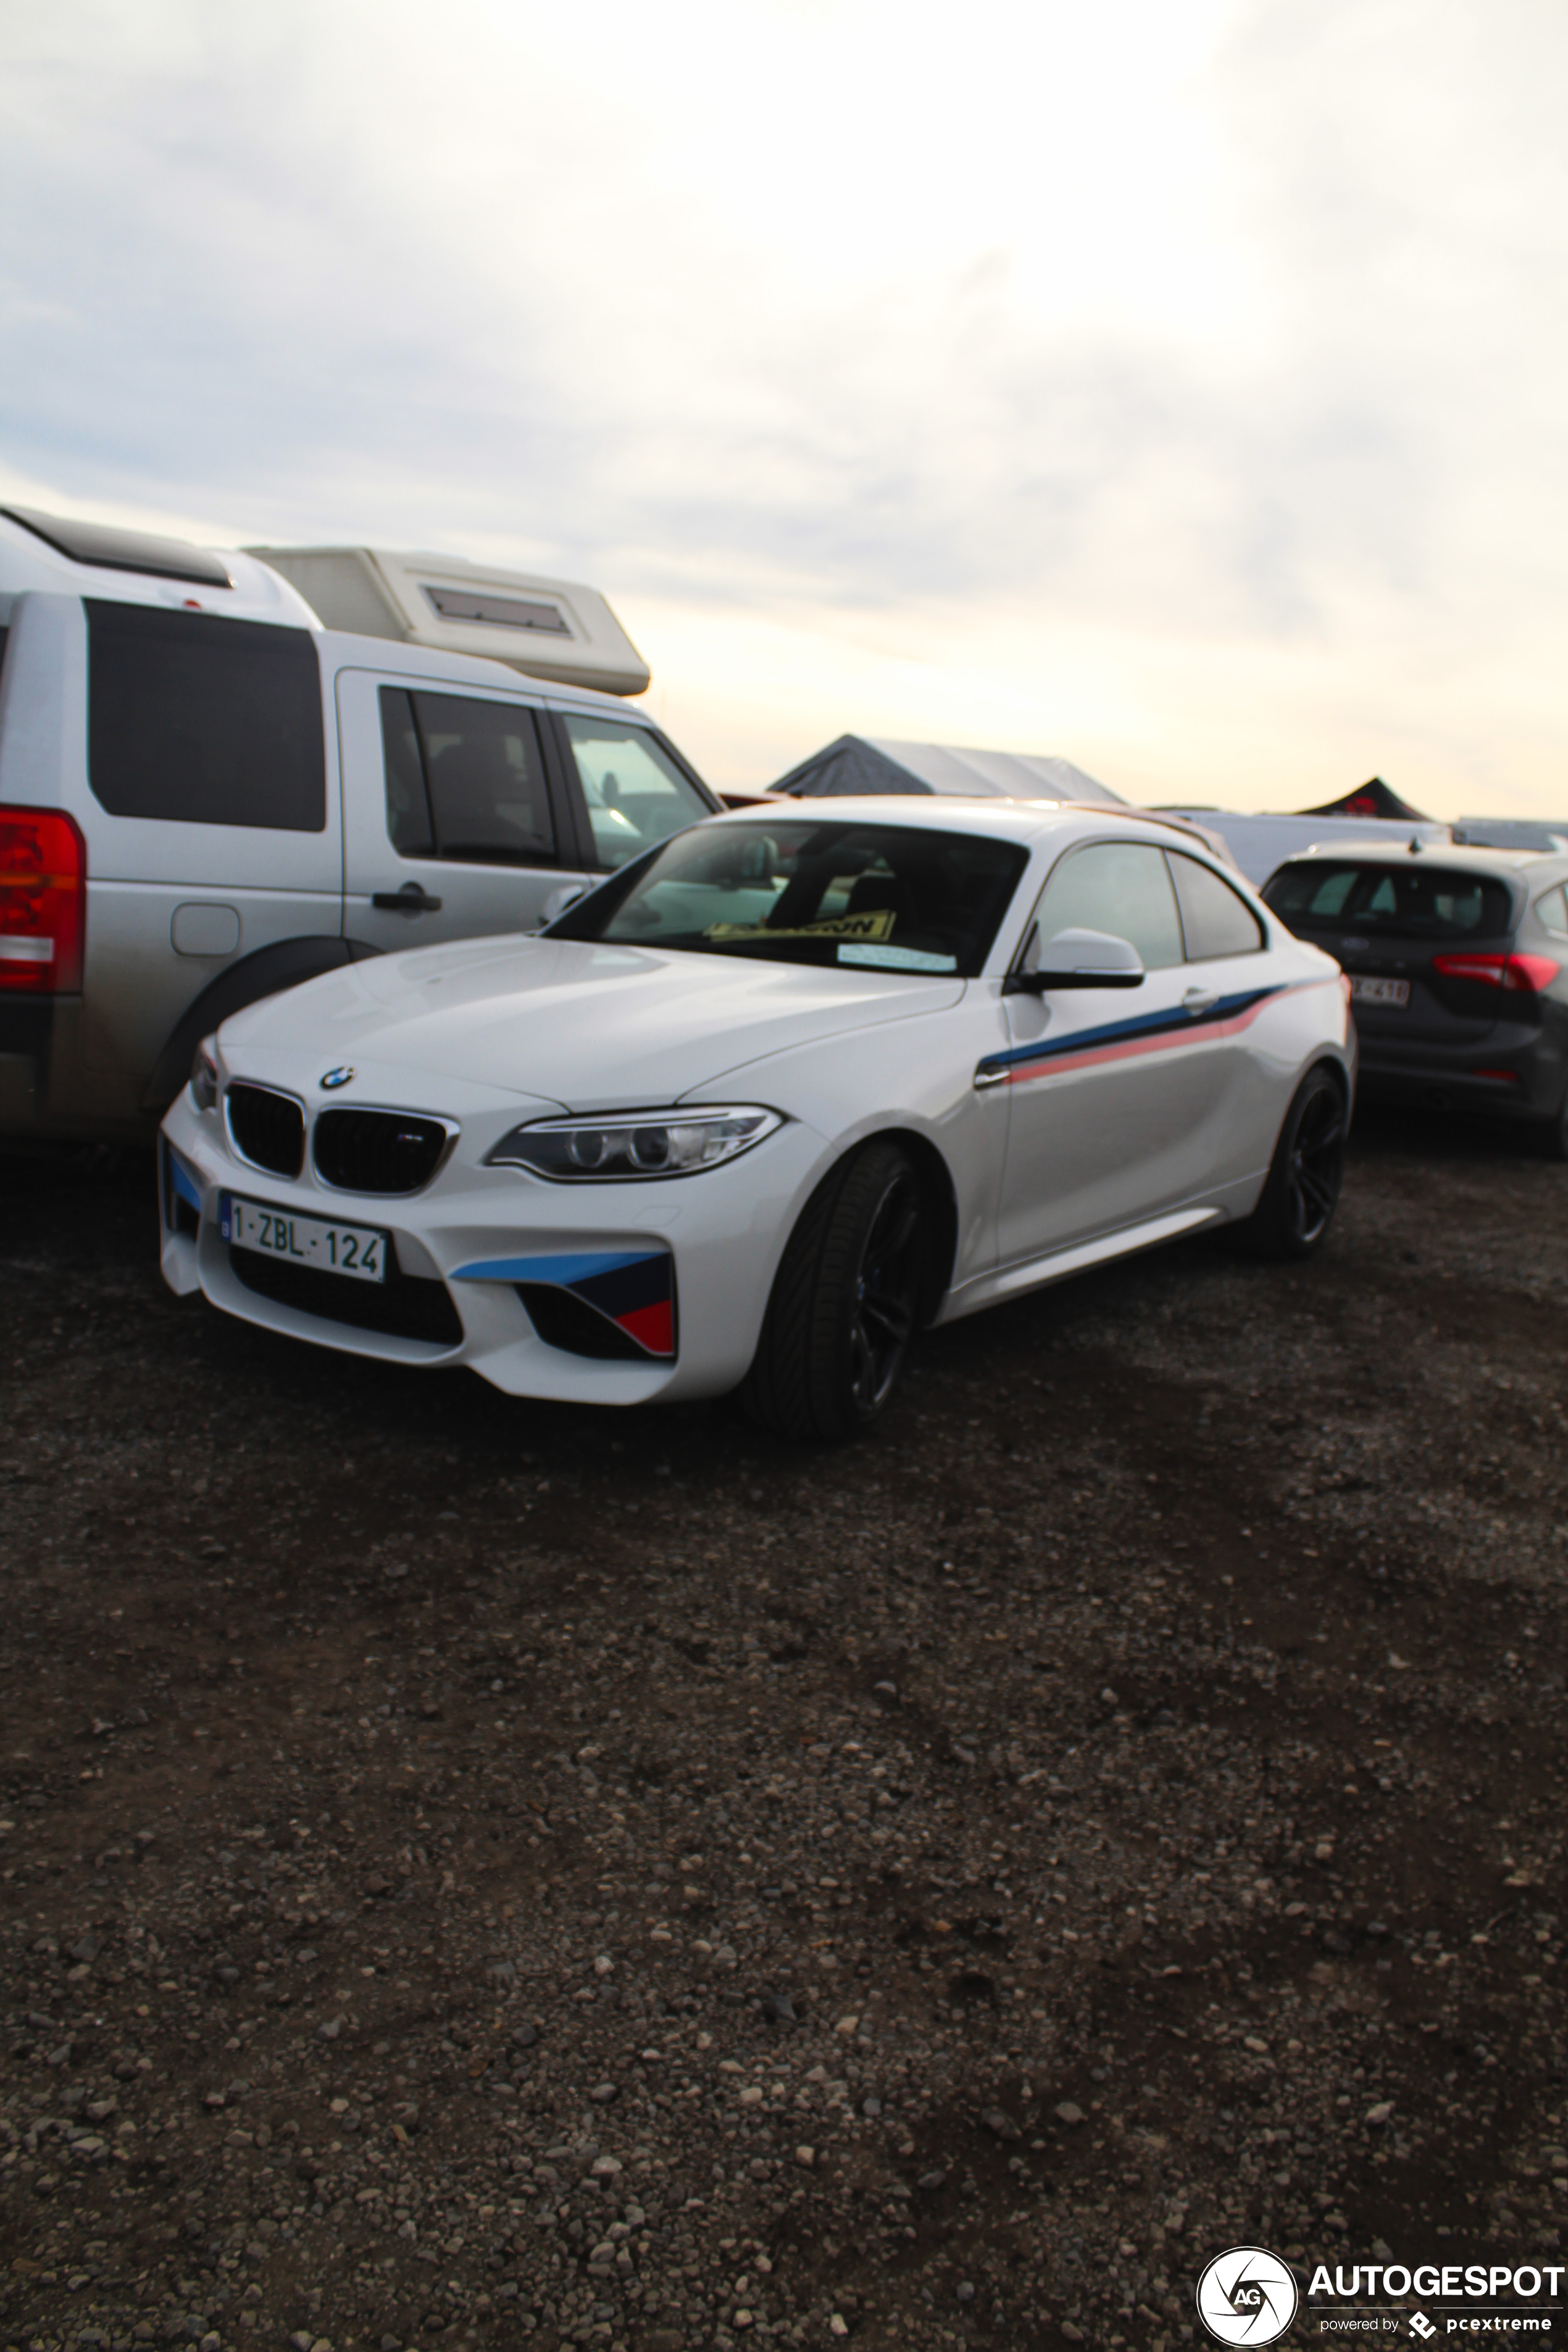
[268, 1129]
[377, 1151]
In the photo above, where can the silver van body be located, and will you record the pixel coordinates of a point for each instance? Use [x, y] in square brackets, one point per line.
[226, 799]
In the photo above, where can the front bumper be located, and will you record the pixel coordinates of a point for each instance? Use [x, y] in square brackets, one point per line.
[468, 1250]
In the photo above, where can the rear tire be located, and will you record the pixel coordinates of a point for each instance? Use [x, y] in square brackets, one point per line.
[1303, 1192]
[845, 1301]
[1554, 1134]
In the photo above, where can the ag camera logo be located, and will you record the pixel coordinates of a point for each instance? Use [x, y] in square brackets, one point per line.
[1247, 2295]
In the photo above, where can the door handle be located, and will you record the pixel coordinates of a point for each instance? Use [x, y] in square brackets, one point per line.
[1200, 1000]
[410, 900]
[988, 1075]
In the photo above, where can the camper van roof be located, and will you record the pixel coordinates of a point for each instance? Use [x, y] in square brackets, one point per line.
[108, 549]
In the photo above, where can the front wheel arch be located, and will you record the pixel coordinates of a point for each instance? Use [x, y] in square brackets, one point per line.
[849, 1292]
[285, 963]
[942, 1207]
[1276, 1228]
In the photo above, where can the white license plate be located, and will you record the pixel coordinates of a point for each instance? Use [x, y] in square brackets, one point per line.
[1364, 989]
[358, 1251]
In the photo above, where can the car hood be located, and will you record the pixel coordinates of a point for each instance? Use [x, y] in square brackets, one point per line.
[591, 1027]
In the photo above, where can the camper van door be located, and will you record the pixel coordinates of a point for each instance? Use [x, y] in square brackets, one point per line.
[458, 824]
[200, 759]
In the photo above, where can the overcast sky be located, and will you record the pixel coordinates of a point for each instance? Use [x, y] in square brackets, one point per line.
[1177, 385]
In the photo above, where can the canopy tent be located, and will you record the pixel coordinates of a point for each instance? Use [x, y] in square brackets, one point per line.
[1372, 799]
[879, 763]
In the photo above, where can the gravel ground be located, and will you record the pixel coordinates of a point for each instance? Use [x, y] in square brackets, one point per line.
[473, 1872]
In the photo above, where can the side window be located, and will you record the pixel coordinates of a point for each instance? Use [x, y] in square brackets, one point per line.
[1120, 886]
[1553, 912]
[202, 721]
[465, 780]
[635, 793]
[1214, 921]
[409, 823]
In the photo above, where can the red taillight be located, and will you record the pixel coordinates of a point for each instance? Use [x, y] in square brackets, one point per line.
[1526, 974]
[43, 885]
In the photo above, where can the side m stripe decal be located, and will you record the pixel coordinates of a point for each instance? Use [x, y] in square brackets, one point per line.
[1117, 1040]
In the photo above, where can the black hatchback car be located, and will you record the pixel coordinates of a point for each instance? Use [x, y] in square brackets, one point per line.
[1458, 961]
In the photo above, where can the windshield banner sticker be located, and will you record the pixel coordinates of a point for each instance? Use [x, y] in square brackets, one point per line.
[877, 923]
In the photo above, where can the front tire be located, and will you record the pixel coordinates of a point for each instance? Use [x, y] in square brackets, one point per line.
[845, 1301]
[1303, 1192]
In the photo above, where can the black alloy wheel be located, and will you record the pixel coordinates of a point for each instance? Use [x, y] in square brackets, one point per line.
[846, 1301]
[1317, 1165]
[887, 1293]
[1303, 1192]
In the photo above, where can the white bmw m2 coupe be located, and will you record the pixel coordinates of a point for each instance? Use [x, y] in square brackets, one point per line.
[767, 1101]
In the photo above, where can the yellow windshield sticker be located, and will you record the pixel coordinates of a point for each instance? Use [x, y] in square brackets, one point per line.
[877, 923]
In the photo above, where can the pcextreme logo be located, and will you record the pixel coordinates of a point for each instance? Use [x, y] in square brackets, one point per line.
[1247, 2295]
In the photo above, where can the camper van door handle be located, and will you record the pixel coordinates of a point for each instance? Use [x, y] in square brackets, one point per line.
[410, 900]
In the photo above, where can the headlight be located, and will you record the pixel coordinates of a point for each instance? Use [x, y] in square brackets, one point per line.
[637, 1145]
[203, 1079]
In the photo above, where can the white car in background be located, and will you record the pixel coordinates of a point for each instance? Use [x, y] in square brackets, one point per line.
[779, 1093]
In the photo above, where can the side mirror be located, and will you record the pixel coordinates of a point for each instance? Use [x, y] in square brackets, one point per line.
[559, 900]
[1078, 960]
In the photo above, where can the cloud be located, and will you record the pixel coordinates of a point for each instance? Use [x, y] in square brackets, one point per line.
[1174, 385]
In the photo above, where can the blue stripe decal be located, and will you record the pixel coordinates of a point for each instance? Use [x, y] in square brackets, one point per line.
[181, 1178]
[1118, 1033]
[563, 1270]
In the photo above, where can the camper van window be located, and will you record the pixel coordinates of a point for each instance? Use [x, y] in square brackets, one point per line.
[635, 793]
[197, 720]
[1214, 921]
[482, 767]
[497, 612]
[407, 802]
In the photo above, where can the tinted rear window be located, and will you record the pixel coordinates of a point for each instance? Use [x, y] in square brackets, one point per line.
[201, 722]
[1413, 902]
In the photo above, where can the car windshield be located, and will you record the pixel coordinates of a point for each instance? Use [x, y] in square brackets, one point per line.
[880, 897]
[1415, 902]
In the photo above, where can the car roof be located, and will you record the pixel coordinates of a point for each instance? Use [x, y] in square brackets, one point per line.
[1008, 820]
[1454, 855]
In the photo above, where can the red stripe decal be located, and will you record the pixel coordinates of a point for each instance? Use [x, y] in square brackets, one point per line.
[652, 1327]
[1133, 1048]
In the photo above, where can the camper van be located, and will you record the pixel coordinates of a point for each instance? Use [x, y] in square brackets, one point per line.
[206, 795]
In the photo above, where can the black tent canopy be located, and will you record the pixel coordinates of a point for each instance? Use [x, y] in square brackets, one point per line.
[882, 765]
[1374, 798]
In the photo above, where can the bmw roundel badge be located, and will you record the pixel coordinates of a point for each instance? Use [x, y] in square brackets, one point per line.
[338, 1078]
